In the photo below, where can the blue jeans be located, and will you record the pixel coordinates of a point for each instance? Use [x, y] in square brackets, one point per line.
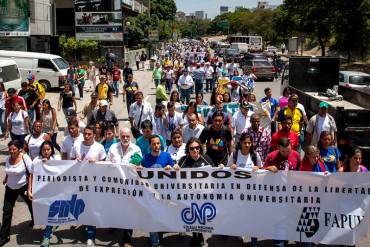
[116, 87]
[253, 242]
[169, 85]
[154, 238]
[91, 232]
[48, 231]
[278, 243]
[31, 114]
[210, 84]
[198, 86]
[185, 95]
[156, 82]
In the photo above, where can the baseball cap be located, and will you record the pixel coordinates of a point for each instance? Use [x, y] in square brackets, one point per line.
[245, 104]
[71, 112]
[104, 102]
[324, 105]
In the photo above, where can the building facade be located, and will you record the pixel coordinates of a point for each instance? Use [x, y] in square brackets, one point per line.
[199, 15]
[224, 9]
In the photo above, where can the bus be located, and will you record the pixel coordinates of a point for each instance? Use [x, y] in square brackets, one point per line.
[254, 42]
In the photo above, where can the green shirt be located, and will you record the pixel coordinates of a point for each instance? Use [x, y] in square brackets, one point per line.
[160, 93]
[157, 73]
[81, 75]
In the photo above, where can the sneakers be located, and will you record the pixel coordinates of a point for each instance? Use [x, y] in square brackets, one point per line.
[90, 243]
[45, 242]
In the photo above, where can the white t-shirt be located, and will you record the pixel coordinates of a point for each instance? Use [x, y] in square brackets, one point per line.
[323, 123]
[116, 155]
[93, 152]
[34, 145]
[209, 72]
[18, 122]
[185, 82]
[176, 153]
[240, 122]
[68, 143]
[174, 122]
[244, 161]
[17, 174]
[135, 111]
[38, 159]
[169, 74]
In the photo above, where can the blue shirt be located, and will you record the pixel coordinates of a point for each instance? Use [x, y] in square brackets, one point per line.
[161, 161]
[330, 157]
[145, 146]
[198, 74]
[107, 144]
[274, 104]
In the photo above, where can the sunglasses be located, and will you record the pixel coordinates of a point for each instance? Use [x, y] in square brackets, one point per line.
[197, 148]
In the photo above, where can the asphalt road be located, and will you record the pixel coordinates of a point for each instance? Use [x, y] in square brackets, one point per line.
[22, 235]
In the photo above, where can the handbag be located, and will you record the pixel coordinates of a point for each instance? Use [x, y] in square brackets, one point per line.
[135, 130]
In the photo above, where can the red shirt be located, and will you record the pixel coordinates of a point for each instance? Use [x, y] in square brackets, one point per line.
[307, 167]
[291, 135]
[116, 74]
[9, 102]
[292, 162]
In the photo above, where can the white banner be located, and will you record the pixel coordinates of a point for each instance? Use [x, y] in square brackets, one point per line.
[298, 206]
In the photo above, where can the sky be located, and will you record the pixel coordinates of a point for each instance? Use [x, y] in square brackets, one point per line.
[212, 7]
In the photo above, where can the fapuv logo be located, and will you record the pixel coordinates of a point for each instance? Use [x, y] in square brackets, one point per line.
[60, 211]
[309, 221]
[205, 213]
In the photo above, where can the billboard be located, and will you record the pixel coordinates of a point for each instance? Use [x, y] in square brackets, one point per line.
[14, 18]
[98, 20]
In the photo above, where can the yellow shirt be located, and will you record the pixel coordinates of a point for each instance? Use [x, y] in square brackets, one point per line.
[103, 91]
[297, 119]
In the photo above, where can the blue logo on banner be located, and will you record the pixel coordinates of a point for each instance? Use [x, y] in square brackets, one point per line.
[205, 213]
[61, 211]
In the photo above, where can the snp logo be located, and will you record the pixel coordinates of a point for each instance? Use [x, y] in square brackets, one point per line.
[66, 211]
[205, 213]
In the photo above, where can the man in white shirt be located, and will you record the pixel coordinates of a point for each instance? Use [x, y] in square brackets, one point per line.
[320, 122]
[209, 77]
[193, 129]
[174, 120]
[69, 140]
[140, 110]
[91, 151]
[241, 119]
[123, 151]
[185, 83]
[169, 75]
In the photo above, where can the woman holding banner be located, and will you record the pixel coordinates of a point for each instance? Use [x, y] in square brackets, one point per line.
[194, 158]
[17, 168]
[46, 153]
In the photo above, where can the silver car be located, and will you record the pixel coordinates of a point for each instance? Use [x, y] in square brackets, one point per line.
[354, 79]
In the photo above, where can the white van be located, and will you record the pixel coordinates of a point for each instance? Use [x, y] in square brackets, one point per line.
[240, 47]
[50, 70]
[9, 74]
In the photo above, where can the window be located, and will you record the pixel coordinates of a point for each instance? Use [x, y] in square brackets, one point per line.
[359, 80]
[341, 77]
[45, 64]
[61, 63]
[9, 73]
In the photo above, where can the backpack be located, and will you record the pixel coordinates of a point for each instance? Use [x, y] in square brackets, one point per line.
[253, 156]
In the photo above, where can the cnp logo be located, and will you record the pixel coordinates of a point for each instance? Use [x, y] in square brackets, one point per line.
[60, 211]
[205, 213]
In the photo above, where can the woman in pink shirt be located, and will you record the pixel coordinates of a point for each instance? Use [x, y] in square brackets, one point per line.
[283, 100]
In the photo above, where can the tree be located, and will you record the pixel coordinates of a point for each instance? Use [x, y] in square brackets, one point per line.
[69, 46]
[89, 48]
[351, 27]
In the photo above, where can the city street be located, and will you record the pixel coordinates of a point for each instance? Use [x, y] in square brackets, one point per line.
[23, 235]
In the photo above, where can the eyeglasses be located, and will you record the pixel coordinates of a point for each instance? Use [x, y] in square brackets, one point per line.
[197, 148]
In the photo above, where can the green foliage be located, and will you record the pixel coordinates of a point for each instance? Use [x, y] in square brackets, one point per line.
[162, 18]
[71, 48]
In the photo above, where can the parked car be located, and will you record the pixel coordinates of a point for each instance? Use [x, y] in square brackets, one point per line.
[233, 54]
[354, 79]
[262, 68]
[9, 74]
[270, 50]
[50, 70]
[246, 58]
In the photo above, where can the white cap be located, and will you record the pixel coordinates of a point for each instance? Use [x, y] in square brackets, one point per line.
[104, 102]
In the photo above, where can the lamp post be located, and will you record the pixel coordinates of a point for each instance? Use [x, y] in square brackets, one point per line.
[124, 38]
